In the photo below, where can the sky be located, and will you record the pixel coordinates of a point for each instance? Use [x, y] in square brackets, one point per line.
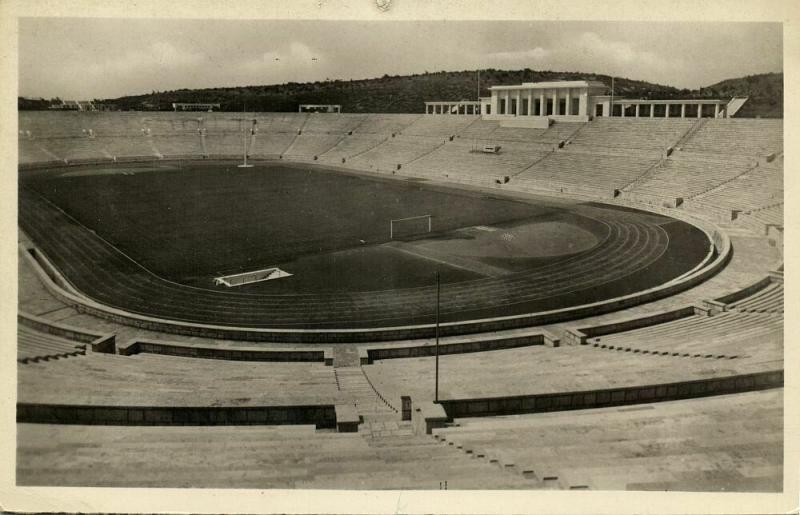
[85, 58]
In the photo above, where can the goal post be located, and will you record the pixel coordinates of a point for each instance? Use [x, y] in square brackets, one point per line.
[411, 226]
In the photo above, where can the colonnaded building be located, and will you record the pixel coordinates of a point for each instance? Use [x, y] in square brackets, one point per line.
[531, 102]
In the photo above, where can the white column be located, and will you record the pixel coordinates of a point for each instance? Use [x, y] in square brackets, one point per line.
[542, 104]
[716, 110]
[699, 110]
[530, 102]
[555, 101]
[652, 110]
[494, 102]
[683, 110]
[583, 104]
[622, 110]
[666, 110]
[568, 103]
[637, 111]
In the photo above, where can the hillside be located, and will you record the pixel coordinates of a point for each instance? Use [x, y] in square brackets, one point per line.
[388, 94]
[765, 92]
[407, 94]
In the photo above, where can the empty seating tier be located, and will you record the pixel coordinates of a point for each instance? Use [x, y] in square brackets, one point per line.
[686, 174]
[245, 457]
[395, 151]
[385, 124]
[156, 380]
[271, 144]
[352, 145]
[767, 300]
[545, 370]
[737, 136]
[592, 172]
[725, 335]
[726, 443]
[650, 137]
[466, 163]
[758, 188]
[308, 145]
[281, 122]
[33, 346]
[226, 144]
[333, 124]
[438, 126]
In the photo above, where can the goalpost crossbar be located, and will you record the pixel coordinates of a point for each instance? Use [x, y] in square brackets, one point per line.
[410, 219]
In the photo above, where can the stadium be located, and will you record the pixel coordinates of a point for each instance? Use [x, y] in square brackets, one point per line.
[592, 280]
[555, 290]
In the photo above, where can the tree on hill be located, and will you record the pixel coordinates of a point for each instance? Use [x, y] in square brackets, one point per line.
[408, 93]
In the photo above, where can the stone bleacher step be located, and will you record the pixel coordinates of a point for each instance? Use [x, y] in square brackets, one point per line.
[410, 448]
[502, 461]
[50, 357]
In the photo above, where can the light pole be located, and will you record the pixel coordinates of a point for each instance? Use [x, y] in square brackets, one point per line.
[438, 295]
[611, 106]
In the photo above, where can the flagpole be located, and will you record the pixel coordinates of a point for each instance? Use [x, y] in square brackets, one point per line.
[611, 107]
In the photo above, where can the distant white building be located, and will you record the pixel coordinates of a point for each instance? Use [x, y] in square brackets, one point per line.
[319, 108]
[194, 106]
[577, 100]
[74, 105]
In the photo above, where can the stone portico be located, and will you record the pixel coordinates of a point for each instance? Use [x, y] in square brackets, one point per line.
[573, 101]
[554, 99]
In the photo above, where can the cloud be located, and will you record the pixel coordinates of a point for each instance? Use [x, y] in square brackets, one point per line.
[296, 55]
[623, 58]
[290, 63]
[520, 56]
[589, 51]
[618, 51]
[160, 53]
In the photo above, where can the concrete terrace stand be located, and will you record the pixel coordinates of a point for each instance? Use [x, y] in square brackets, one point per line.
[607, 397]
[95, 342]
[388, 351]
[322, 416]
[235, 353]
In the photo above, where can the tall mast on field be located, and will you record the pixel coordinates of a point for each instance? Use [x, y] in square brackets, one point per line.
[244, 140]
